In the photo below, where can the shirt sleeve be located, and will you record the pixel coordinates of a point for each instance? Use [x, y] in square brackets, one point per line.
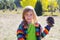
[45, 31]
[20, 33]
[38, 30]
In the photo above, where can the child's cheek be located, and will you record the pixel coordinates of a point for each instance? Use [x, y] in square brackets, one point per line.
[28, 18]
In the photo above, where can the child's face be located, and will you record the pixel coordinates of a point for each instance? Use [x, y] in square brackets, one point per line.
[29, 16]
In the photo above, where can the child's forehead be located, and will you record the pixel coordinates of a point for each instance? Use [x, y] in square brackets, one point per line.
[29, 12]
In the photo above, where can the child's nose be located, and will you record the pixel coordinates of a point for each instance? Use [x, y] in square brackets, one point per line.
[29, 16]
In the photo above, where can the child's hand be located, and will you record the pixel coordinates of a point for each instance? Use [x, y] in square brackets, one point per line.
[50, 21]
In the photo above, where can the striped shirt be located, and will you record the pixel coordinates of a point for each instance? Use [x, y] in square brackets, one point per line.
[22, 31]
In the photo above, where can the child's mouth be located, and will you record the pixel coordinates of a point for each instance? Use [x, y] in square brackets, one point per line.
[29, 19]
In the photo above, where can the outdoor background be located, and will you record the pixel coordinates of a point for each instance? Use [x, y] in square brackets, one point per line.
[11, 16]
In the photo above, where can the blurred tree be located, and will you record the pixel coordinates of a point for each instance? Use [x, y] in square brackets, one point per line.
[58, 1]
[1, 5]
[45, 4]
[11, 4]
[28, 3]
[53, 5]
[7, 4]
[34, 3]
[4, 4]
[17, 2]
[38, 8]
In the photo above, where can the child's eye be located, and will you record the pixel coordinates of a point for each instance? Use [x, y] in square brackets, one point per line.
[30, 14]
[26, 14]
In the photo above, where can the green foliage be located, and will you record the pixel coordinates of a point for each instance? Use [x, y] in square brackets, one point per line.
[5, 4]
[1, 5]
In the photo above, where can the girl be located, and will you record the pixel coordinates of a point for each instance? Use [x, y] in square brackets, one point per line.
[29, 29]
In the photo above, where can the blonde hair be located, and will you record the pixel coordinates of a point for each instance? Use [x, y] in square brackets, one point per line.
[27, 9]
